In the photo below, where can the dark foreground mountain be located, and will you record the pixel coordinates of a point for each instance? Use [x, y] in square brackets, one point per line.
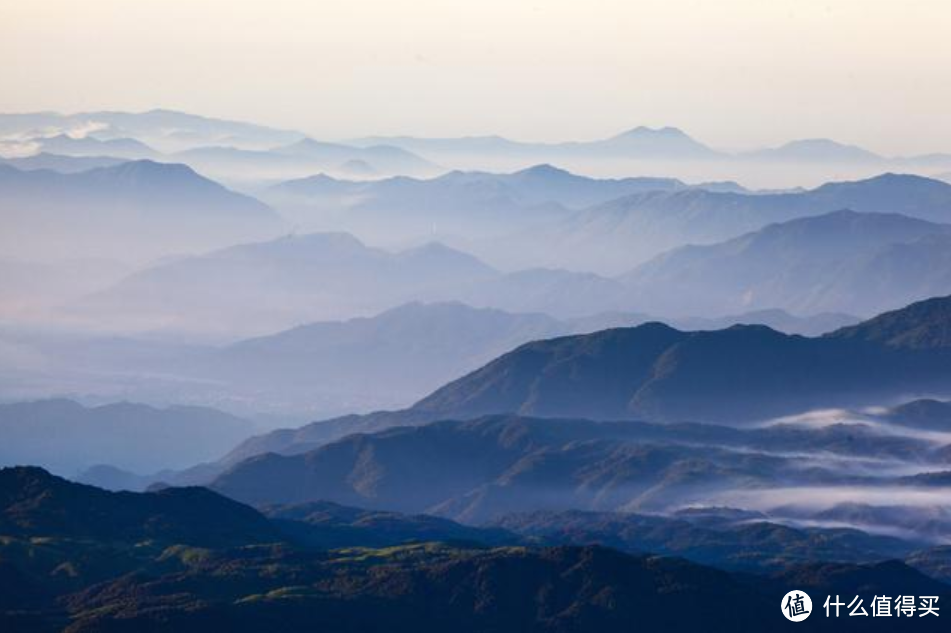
[35, 503]
[744, 372]
[722, 537]
[62, 570]
[327, 525]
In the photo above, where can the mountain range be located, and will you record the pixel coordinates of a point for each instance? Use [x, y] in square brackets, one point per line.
[190, 559]
[852, 472]
[347, 383]
[470, 204]
[228, 150]
[613, 237]
[302, 278]
[167, 130]
[90, 146]
[67, 437]
[136, 210]
[284, 282]
[313, 371]
[639, 142]
[61, 163]
[250, 155]
[298, 159]
[841, 261]
[653, 371]
[658, 372]
[820, 150]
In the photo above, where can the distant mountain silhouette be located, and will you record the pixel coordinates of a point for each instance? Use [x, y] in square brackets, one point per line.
[66, 437]
[615, 236]
[532, 186]
[385, 360]
[61, 163]
[296, 160]
[637, 143]
[657, 143]
[815, 150]
[389, 158]
[471, 204]
[293, 279]
[323, 276]
[841, 261]
[127, 148]
[357, 167]
[108, 211]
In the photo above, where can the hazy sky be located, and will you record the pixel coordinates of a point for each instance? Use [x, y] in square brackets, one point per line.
[733, 73]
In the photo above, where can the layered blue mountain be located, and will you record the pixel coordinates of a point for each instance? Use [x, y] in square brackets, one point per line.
[298, 159]
[135, 210]
[167, 130]
[287, 281]
[125, 148]
[481, 470]
[302, 278]
[615, 236]
[61, 163]
[312, 371]
[470, 204]
[640, 142]
[741, 373]
[67, 437]
[474, 190]
[861, 263]
[815, 150]
[736, 375]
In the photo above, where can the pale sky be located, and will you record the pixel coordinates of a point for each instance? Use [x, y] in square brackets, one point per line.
[732, 73]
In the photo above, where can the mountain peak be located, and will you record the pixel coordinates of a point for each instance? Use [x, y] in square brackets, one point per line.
[894, 191]
[147, 166]
[663, 142]
[543, 170]
[330, 239]
[34, 501]
[818, 149]
[919, 326]
[643, 131]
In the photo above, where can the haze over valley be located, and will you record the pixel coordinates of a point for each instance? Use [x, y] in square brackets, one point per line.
[499, 317]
